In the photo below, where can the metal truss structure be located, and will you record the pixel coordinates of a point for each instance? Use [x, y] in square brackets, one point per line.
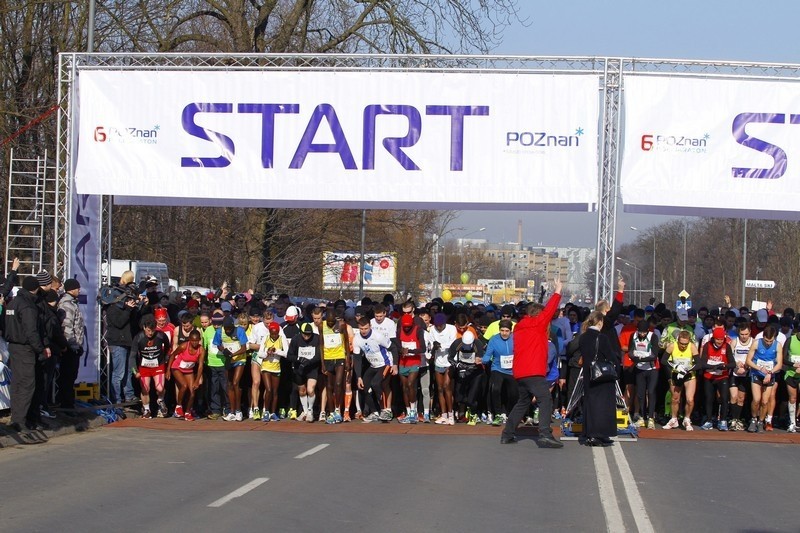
[611, 71]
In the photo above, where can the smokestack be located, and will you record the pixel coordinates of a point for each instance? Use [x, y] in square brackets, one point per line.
[519, 233]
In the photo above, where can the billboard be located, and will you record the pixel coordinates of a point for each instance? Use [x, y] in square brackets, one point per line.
[310, 138]
[718, 147]
[342, 270]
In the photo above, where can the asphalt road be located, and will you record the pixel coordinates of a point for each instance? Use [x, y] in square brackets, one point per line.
[133, 479]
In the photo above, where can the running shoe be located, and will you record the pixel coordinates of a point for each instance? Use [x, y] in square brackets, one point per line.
[330, 420]
[407, 420]
[337, 418]
[473, 420]
[162, 410]
[372, 417]
[672, 424]
[486, 419]
[230, 417]
[292, 414]
[265, 417]
[451, 420]
[753, 427]
[214, 416]
[401, 417]
[300, 417]
[768, 426]
[639, 422]
[256, 413]
[651, 424]
[528, 421]
[498, 421]
[536, 416]
[310, 417]
[443, 419]
[708, 425]
[146, 414]
[188, 416]
[273, 418]
[359, 415]
[239, 416]
[687, 424]
[760, 427]
[322, 416]
[46, 414]
[792, 428]
[723, 426]
[426, 418]
[386, 415]
[346, 417]
[282, 413]
[178, 411]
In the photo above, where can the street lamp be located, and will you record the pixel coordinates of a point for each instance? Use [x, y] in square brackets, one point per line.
[636, 287]
[634, 228]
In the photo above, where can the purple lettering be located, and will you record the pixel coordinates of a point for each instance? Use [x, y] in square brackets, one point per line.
[393, 145]
[224, 142]
[457, 114]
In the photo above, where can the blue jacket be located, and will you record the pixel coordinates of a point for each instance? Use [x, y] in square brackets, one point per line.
[498, 348]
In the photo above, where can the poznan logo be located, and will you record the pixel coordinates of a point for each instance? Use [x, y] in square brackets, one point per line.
[675, 143]
[544, 139]
[126, 134]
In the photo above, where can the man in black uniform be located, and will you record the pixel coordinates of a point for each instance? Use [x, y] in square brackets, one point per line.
[26, 344]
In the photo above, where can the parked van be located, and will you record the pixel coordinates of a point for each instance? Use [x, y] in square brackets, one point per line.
[140, 269]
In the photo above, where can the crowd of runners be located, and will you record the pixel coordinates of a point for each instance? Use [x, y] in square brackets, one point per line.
[233, 357]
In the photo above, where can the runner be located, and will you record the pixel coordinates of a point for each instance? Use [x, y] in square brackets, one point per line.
[443, 335]
[271, 350]
[335, 357]
[764, 360]
[681, 356]
[465, 357]
[739, 381]
[424, 368]
[231, 341]
[643, 352]
[304, 353]
[412, 350]
[791, 354]
[716, 361]
[150, 351]
[500, 354]
[186, 363]
[380, 353]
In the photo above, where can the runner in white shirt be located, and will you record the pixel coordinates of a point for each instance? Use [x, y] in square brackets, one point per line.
[739, 381]
[442, 336]
[380, 354]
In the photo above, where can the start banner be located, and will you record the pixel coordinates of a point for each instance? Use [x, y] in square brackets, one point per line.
[716, 147]
[340, 139]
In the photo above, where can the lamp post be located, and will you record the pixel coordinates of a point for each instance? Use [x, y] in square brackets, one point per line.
[634, 228]
[636, 287]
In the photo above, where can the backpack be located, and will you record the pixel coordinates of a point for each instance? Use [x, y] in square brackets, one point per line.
[109, 295]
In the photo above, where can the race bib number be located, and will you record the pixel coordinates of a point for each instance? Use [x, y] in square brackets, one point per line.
[685, 362]
[306, 352]
[794, 359]
[234, 346]
[467, 358]
[186, 365]
[645, 365]
[213, 350]
[506, 362]
[332, 340]
[149, 363]
[766, 365]
[409, 345]
[375, 359]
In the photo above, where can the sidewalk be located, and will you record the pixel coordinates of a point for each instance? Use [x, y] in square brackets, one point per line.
[64, 424]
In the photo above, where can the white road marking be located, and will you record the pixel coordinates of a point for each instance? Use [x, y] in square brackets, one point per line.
[638, 509]
[312, 451]
[241, 491]
[608, 498]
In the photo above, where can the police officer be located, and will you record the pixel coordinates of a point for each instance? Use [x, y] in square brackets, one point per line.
[26, 344]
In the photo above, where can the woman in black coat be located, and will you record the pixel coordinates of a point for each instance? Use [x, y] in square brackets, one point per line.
[599, 399]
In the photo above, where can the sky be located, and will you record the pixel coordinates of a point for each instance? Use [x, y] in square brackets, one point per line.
[732, 30]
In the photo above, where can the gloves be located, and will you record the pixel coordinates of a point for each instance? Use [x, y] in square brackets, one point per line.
[227, 353]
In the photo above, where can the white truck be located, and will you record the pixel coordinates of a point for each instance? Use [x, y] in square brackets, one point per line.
[140, 269]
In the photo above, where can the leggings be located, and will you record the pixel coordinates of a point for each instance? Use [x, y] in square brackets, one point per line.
[373, 379]
[646, 381]
[497, 382]
[468, 389]
[710, 386]
[425, 384]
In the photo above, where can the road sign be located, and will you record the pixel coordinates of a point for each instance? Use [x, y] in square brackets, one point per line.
[759, 284]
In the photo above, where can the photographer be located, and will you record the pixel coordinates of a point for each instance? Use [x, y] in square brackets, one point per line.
[121, 325]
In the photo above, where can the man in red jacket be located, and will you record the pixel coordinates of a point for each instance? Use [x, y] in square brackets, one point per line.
[530, 369]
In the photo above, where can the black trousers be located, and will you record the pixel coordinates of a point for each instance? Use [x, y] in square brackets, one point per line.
[528, 388]
[67, 374]
[498, 381]
[373, 388]
[23, 384]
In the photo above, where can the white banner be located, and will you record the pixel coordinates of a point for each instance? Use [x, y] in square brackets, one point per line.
[340, 139]
[711, 147]
[85, 267]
